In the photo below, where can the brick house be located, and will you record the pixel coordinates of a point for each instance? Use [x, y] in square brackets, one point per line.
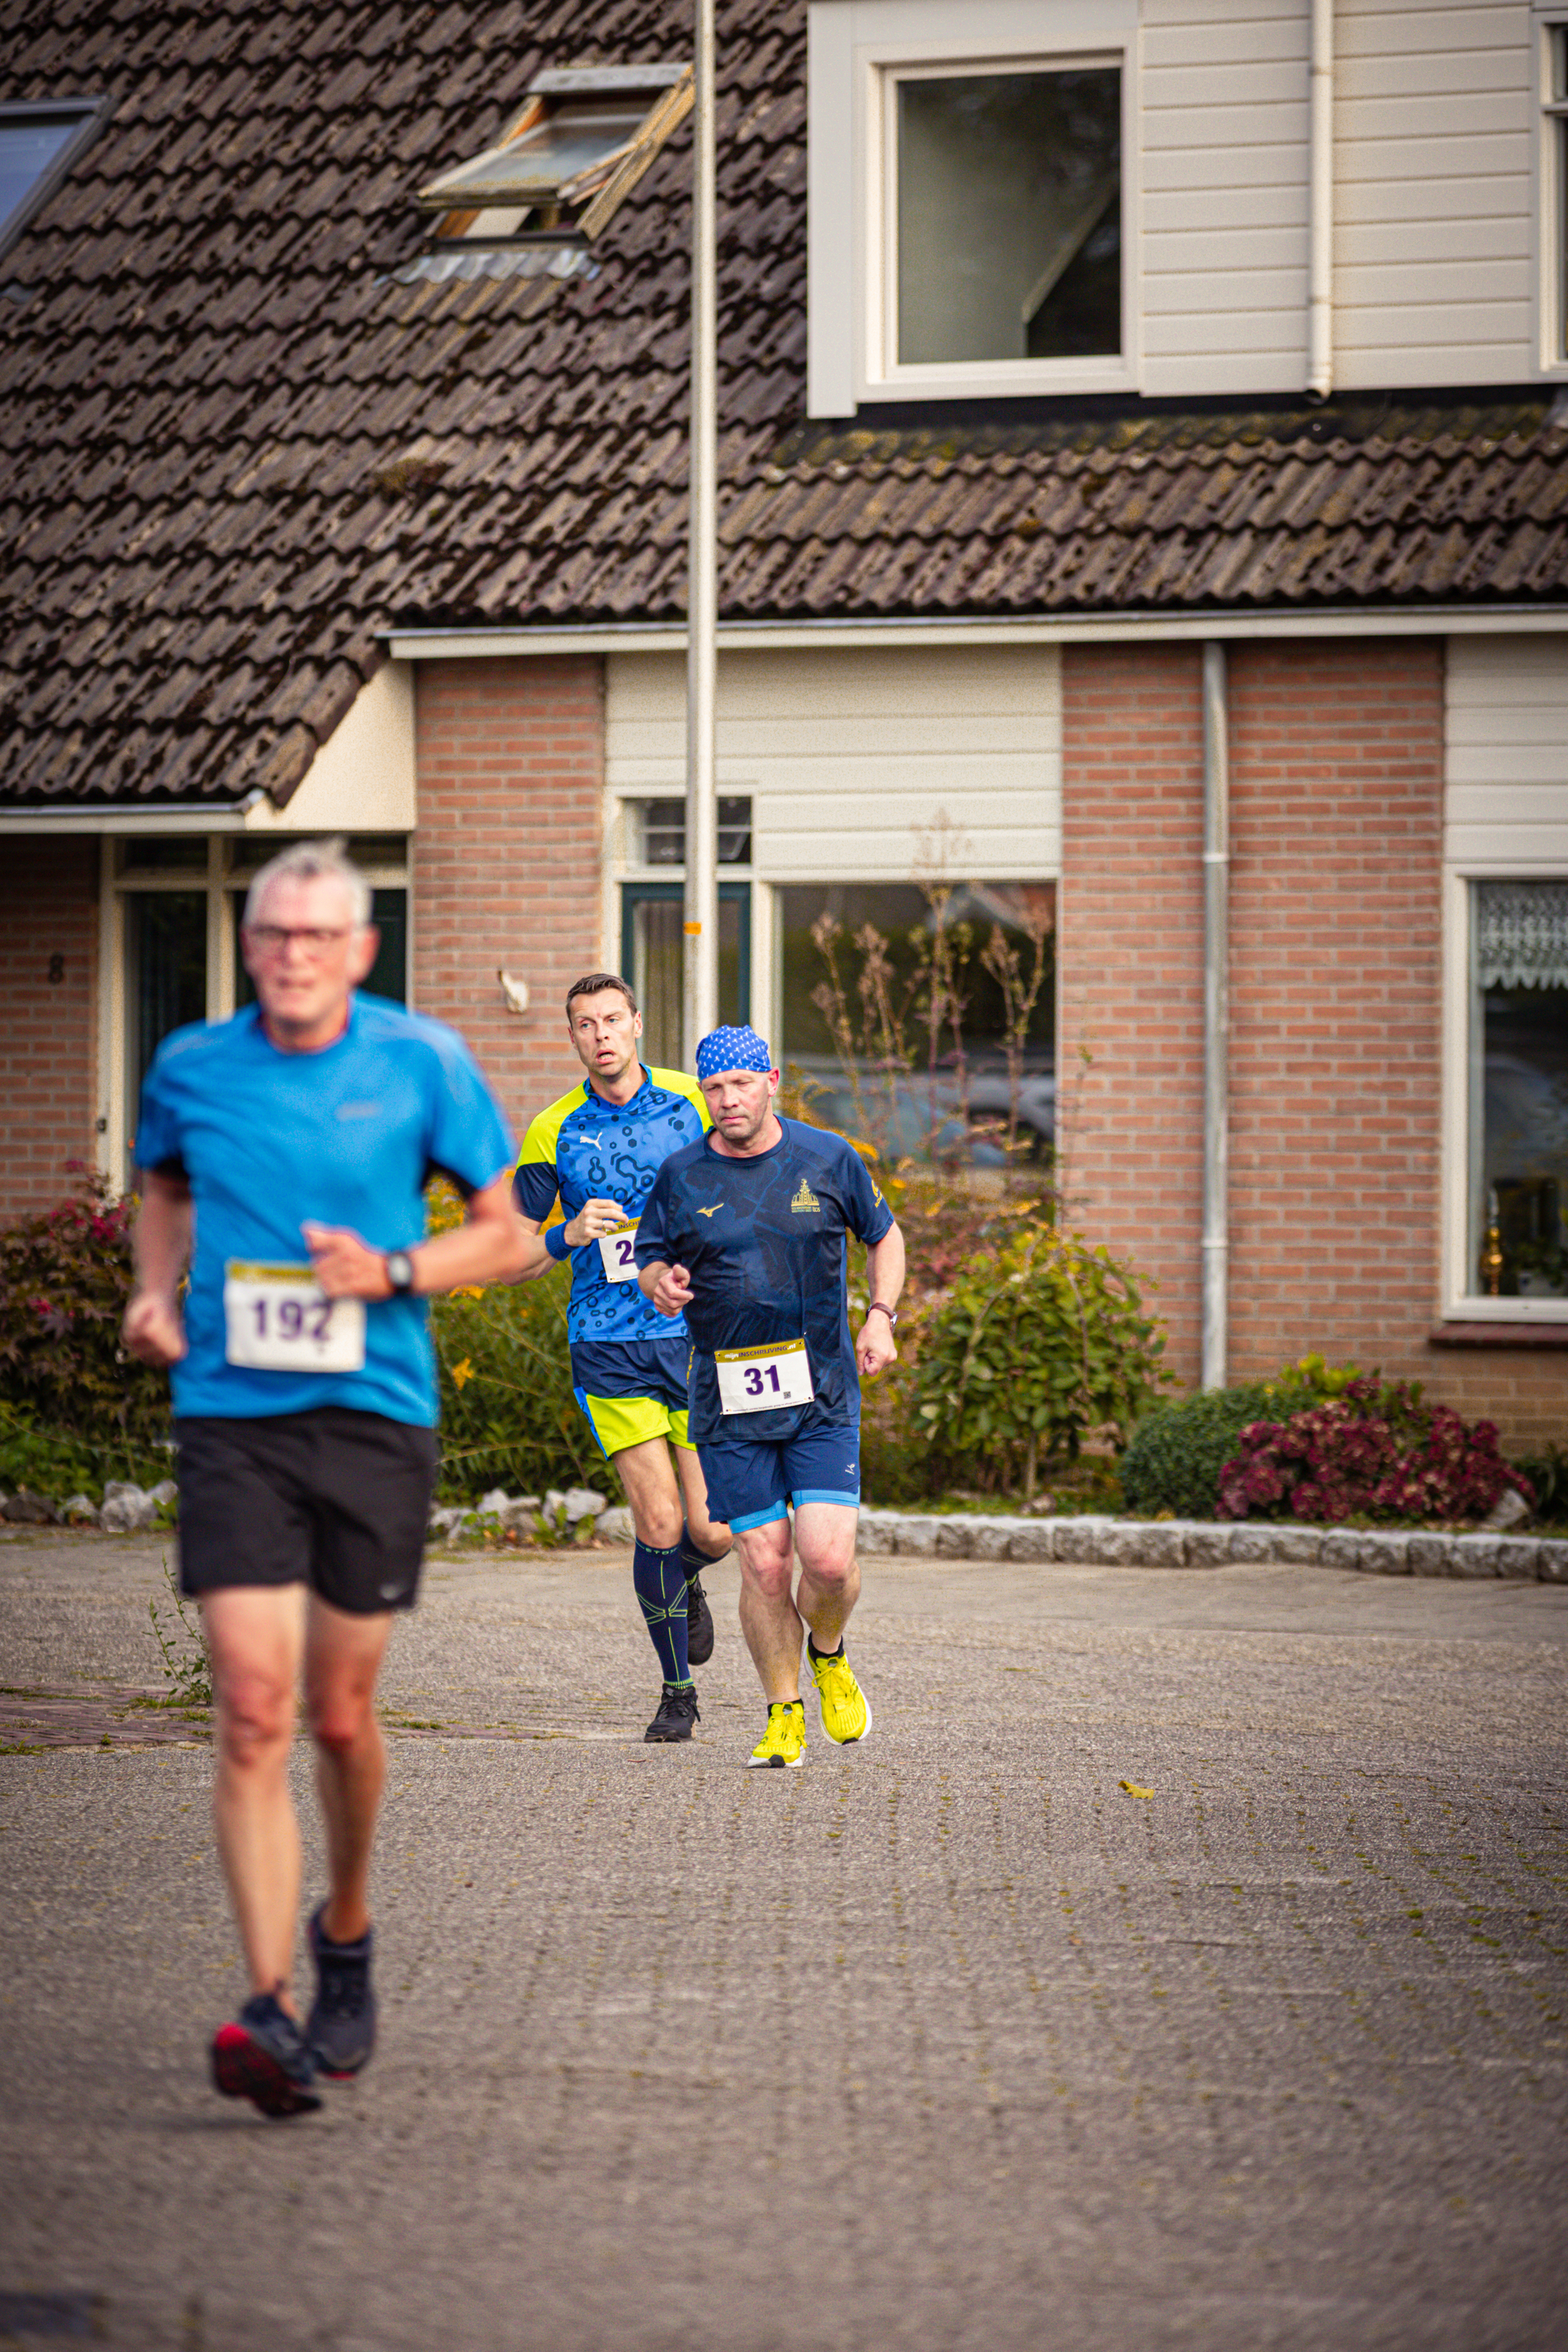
[1059, 341]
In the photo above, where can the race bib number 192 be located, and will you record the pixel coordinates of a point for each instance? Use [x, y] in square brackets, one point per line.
[619, 1252]
[762, 1380]
[278, 1318]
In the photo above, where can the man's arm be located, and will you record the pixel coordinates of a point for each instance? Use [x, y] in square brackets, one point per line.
[152, 1329]
[488, 1246]
[593, 1220]
[875, 1345]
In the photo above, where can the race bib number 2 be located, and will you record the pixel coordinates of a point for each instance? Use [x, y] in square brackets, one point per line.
[278, 1318]
[619, 1252]
[762, 1380]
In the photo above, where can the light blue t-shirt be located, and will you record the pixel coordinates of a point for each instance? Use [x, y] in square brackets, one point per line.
[350, 1136]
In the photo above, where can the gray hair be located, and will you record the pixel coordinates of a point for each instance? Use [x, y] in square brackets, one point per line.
[311, 861]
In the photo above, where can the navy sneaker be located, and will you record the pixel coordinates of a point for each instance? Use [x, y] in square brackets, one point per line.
[263, 2057]
[677, 1714]
[699, 1623]
[341, 2029]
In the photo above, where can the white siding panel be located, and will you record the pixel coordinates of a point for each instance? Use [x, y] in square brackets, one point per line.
[848, 756]
[1431, 101]
[1507, 797]
[1223, 89]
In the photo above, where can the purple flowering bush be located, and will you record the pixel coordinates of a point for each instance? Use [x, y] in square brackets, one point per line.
[1375, 1451]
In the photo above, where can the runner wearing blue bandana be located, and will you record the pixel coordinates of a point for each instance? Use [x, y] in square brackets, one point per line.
[745, 1233]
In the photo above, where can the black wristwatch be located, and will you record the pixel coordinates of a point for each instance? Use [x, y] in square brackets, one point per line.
[876, 1308]
[400, 1272]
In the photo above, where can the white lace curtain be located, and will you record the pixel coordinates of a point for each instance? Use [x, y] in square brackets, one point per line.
[1522, 934]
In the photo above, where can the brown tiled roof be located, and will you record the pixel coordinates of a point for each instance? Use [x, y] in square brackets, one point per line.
[237, 444]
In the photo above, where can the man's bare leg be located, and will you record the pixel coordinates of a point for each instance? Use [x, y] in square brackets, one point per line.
[769, 1619]
[256, 1638]
[829, 1572]
[342, 1657]
[652, 1490]
[711, 1536]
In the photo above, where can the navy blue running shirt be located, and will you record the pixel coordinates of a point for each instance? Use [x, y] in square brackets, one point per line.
[763, 1242]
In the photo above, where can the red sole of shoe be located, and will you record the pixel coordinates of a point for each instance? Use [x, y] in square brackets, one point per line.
[243, 2070]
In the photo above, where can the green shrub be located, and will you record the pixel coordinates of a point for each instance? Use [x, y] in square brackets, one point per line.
[1033, 1344]
[509, 1417]
[75, 1408]
[1177, 1454]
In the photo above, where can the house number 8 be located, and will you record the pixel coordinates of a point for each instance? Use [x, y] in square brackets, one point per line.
[57, 970]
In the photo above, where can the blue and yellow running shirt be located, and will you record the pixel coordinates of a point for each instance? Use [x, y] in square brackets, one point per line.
[585, 1148]
[763, 1240]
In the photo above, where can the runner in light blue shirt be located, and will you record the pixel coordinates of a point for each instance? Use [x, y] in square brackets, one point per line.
[284, 1156]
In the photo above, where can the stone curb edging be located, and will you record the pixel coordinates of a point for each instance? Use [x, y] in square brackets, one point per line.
[1210, 1543]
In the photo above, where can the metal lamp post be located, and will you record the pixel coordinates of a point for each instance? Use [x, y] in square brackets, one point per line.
[700, 962]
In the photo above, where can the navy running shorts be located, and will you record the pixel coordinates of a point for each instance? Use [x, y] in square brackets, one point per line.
[751, 1480]
[332, 1498]
[630, 1391]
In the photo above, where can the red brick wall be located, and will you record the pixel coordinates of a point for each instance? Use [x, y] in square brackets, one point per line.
[48, 907]
[506, 857]
[1129, 985]
[1335, 963]
[1335, 967]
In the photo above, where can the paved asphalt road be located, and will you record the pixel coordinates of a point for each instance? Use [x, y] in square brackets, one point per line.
[946, 2042]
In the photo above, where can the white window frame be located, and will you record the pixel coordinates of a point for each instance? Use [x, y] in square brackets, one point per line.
[857, 49]
[1460, 1303]
[231, 860]
[1550, 207]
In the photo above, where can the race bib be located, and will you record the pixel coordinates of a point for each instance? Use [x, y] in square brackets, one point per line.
[618, 1250]
[279, 1319]
[761, 1380]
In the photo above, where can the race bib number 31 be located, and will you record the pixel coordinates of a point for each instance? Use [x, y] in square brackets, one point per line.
[278, 1318]
[619, 1252]
[761, 1379]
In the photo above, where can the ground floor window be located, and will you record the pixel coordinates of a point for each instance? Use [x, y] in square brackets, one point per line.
[921, 1018]
[652, 914]
[1519, 1090]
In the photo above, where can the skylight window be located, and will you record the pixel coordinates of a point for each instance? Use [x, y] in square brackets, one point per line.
[39, 141]
[582, 142]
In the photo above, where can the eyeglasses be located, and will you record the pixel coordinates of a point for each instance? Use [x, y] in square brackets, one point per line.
[271, 939]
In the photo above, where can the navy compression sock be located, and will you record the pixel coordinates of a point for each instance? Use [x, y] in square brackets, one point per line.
[658, 1580]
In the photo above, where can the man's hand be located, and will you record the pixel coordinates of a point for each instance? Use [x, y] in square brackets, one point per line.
[875, 1345]
[345, 1266]
[671, 1294]
[152, 1330]
[593, 1220]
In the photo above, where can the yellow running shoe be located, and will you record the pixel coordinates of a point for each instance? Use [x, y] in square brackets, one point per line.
[784, 1741]
[845, 1709]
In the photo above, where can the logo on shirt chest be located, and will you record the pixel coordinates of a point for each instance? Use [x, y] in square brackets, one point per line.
[712, 1212]
[806, 1203]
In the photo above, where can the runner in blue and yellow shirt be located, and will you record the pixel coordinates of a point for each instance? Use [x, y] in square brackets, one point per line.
[599, 1150]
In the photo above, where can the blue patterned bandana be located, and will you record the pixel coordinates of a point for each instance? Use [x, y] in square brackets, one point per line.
[731, 1049]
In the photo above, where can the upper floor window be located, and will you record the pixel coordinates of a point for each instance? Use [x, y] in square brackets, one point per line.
[39, 140]
[1554, 182]
[972, 201]
[1005, 214]
[585, 136]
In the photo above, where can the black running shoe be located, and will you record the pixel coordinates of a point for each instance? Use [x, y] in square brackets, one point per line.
[340, 2030]
[263, 2057]
[677, 1714]
[699, 1623]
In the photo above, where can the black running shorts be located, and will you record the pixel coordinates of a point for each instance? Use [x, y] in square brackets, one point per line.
[333, 1498]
